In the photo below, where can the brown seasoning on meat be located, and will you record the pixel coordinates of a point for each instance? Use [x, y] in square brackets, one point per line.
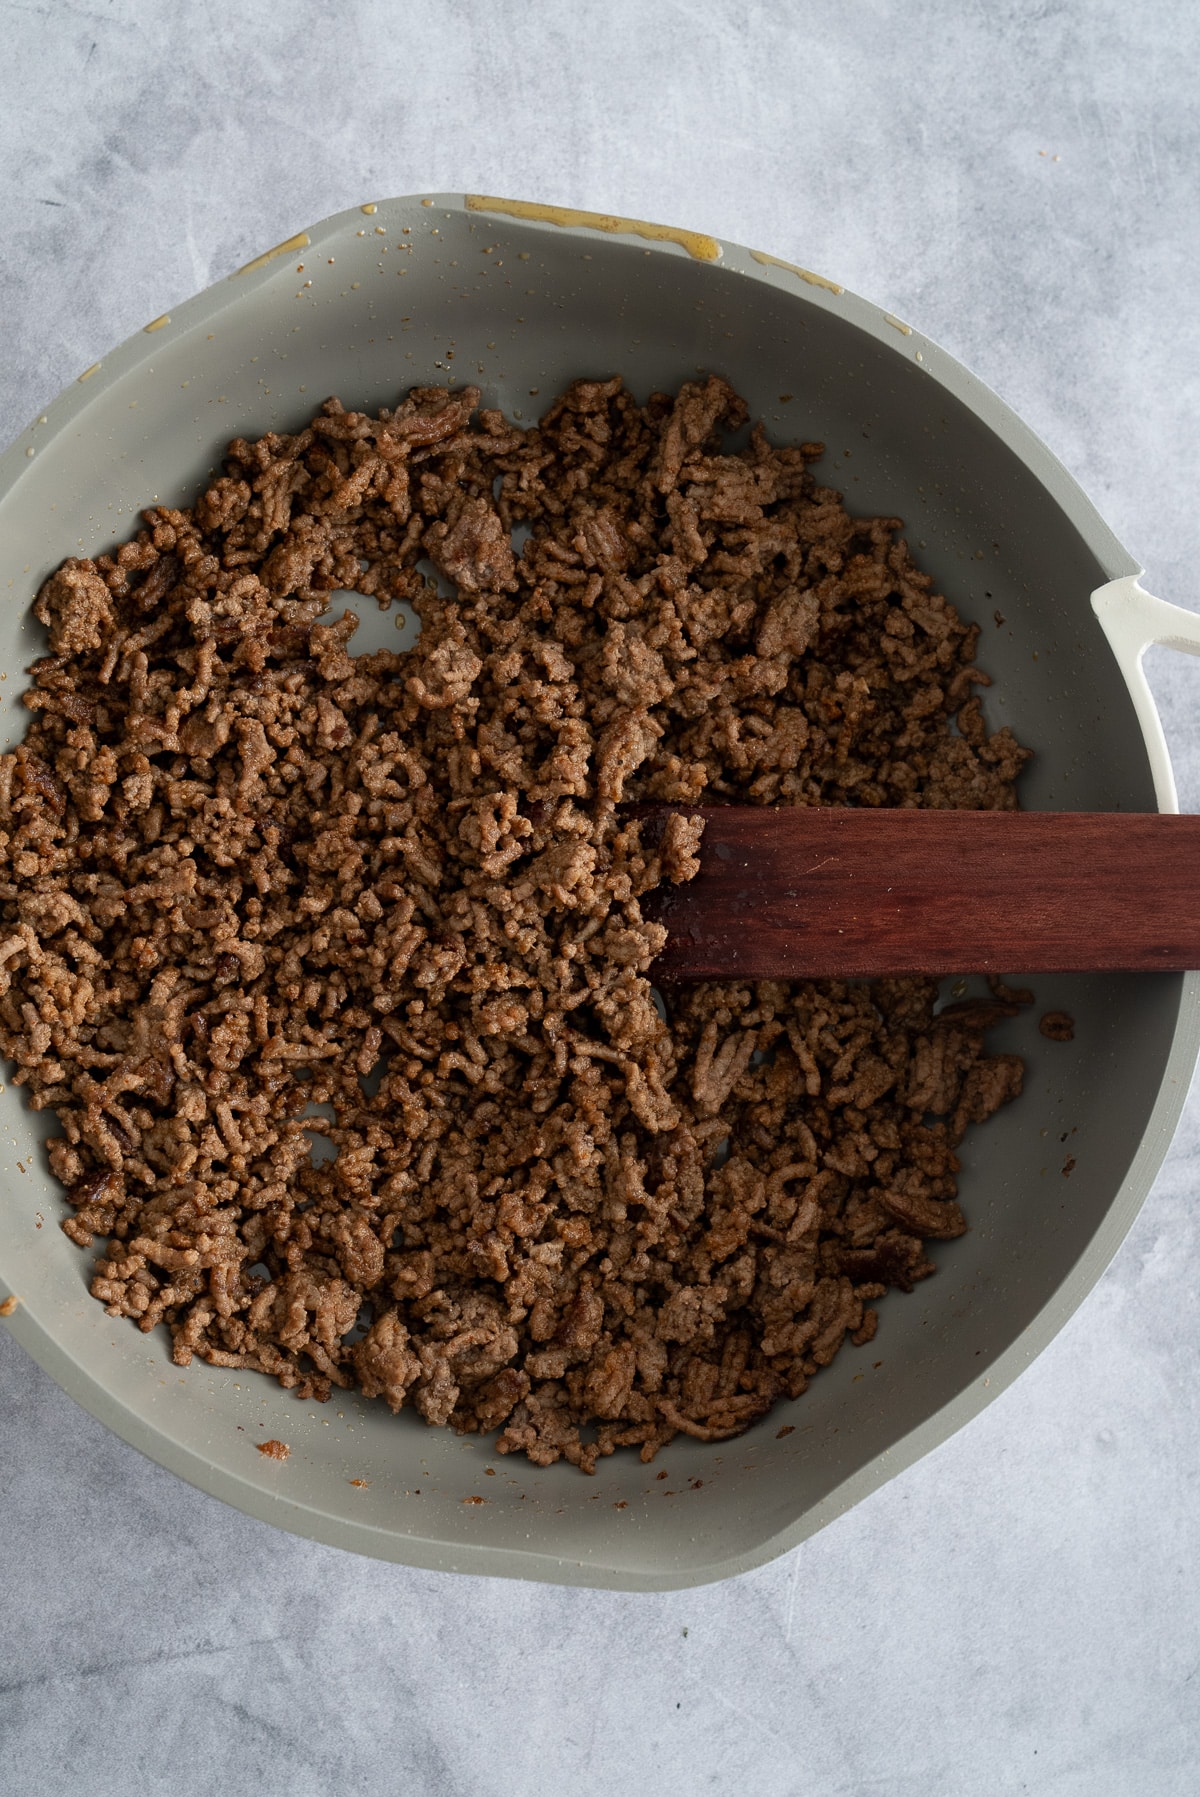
[244, 871]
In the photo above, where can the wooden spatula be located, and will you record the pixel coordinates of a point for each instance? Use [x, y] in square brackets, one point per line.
[794, 893]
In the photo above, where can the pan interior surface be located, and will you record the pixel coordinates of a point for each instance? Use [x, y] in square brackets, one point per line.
[416, 293]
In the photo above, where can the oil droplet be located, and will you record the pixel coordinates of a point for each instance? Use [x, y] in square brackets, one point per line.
[369, 209]
[300, 241]
[696, 243]
[792, 268]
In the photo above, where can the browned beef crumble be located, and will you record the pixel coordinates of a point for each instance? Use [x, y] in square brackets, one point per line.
[244, 871]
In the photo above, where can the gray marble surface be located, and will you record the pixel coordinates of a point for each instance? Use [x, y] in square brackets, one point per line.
[1020, 180]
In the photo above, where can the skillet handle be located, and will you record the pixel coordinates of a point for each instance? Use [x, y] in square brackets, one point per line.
[1132, 620]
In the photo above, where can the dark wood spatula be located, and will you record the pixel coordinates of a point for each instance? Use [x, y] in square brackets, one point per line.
[794, 893]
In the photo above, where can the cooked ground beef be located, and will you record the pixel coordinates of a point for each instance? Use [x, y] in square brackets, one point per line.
[245, 871]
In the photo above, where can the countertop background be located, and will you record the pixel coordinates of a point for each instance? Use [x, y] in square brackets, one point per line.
[1020, 180]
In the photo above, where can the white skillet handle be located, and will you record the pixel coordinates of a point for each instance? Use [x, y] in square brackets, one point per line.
[1132, 620]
